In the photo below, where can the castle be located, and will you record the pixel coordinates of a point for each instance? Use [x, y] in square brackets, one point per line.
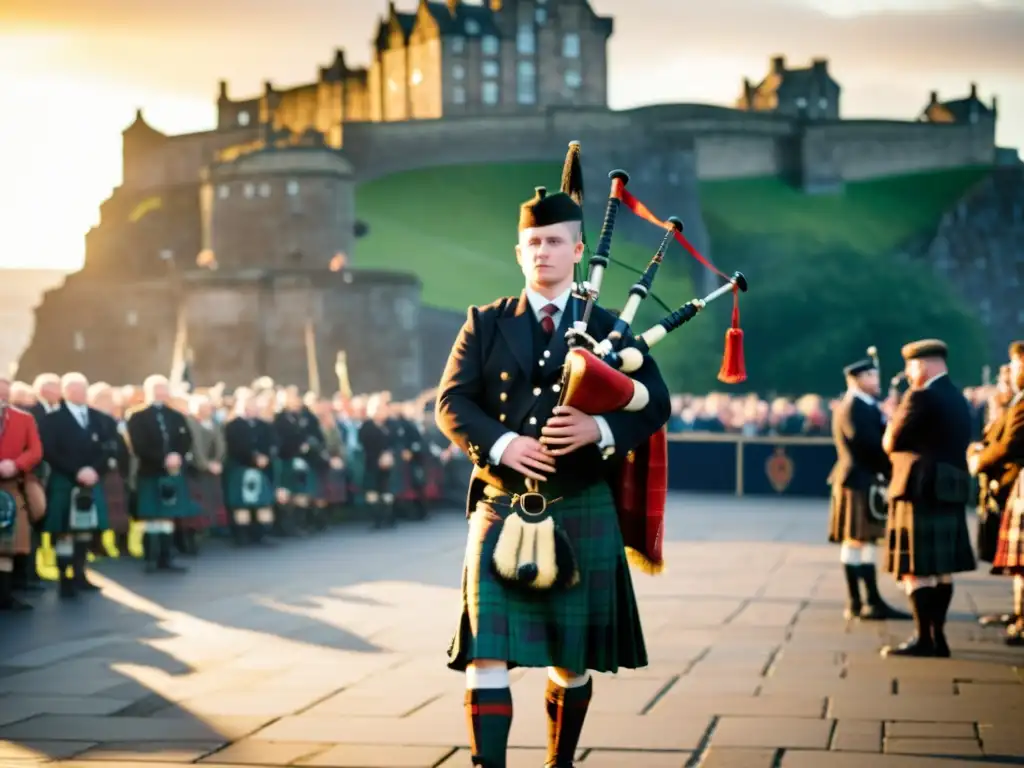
[241, 236]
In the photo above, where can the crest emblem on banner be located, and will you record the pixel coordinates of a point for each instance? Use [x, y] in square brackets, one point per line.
[779, 469]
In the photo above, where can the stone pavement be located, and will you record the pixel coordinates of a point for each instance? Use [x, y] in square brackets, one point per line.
[330, 652]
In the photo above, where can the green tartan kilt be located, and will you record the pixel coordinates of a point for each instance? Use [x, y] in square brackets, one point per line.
[149, 504]
[58, 505]
[927, 540]
[593, 625]
[234, 475]
[298, 483]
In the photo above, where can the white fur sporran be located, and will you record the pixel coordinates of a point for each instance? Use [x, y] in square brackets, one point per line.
[83, 515]
[252, 484]
[531, 551]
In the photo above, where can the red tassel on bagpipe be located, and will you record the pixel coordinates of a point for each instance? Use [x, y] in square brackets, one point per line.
[734, 369]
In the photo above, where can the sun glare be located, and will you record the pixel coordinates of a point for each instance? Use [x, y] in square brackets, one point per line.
[61, 151]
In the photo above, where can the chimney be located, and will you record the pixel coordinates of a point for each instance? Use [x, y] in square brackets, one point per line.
[820, 66]
[778, 65]
[974, 90]
[934, 98]
[268, 87]
[223, 88]
[995, 106]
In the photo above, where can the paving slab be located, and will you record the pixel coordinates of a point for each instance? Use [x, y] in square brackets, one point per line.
[329, 651]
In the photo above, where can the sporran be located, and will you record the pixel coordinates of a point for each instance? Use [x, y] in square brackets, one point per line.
[83, 515]
[532, 552]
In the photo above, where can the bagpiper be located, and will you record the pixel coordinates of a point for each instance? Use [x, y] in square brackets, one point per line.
[858, 508]
[497, 401]
[926, 535]
[1003, 458]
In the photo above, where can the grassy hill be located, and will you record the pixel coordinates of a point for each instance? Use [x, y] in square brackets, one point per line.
[456, 227]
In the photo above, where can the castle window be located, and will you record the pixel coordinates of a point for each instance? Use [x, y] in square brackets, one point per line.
[489, 68]
[458, 95]
[223, 191]
[573, 79]
[79, 341]
[526, 83]
[292, 188]
[489, 45]
[541, 15]
[472, 27]
[249, 190]
[131, 317]
[264, 190]
[458, 44]
[458, 72]
[571, 46]
[490, 92]
[417, 77]
[243, 118]
[524, 39]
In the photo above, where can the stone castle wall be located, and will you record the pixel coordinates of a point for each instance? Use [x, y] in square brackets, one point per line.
[240, 327]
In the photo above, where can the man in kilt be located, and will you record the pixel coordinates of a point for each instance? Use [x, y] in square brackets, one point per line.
[926, 537]
[379, 442]
[1002, 458]
[497, 401]
[250, 448]
[79, 445]
[161, 441]
[858, 510]
[299, 441]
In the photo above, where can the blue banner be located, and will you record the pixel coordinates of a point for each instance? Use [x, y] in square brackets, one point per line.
[755, 466]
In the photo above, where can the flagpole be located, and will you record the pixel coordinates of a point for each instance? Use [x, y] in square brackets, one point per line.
[312, 367]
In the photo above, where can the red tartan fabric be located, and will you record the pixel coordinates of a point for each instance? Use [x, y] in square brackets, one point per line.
[640, 493]
[1009, 557]
[205, 491]
[435, 482]
[119, 515]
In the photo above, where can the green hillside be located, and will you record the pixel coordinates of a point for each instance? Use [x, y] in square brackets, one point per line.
[456, 228]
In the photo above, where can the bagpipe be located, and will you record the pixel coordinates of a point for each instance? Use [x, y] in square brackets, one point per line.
[595, 376]
[878, 491]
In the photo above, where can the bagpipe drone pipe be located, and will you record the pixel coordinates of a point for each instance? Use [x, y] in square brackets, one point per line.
[595, 376]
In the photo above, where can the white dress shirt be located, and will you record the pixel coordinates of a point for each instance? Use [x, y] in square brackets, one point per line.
[81, 414]
[537, 303]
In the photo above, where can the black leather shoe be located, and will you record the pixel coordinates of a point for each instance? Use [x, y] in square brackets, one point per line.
[914, 647]
[883, 612]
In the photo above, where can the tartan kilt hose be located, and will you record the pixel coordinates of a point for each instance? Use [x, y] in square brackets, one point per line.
[1009, 554]
[850, 518]
[118, 502]
[58, 506]
[593, 625]
[924, 539]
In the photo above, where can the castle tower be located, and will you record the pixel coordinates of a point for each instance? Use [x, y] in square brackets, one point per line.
[279, 209]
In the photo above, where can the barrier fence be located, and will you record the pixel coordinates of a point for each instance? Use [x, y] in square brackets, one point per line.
[749, 466]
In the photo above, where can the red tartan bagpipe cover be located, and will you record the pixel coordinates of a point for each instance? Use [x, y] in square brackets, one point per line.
[640, 486]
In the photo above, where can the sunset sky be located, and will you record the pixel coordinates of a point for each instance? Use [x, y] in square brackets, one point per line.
[72, 73]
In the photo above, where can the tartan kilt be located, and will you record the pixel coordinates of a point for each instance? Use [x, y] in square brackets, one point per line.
[19, 540]
[58, 506]
[232, 488]
[356, 464]
[413, 479]
[1009, 554]
[850, 518]
[927, 539]
[333, 485]
[205, 490]
[298, 483]
[593, 625]
[150, 506]
[434, 488]
[118, 503]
